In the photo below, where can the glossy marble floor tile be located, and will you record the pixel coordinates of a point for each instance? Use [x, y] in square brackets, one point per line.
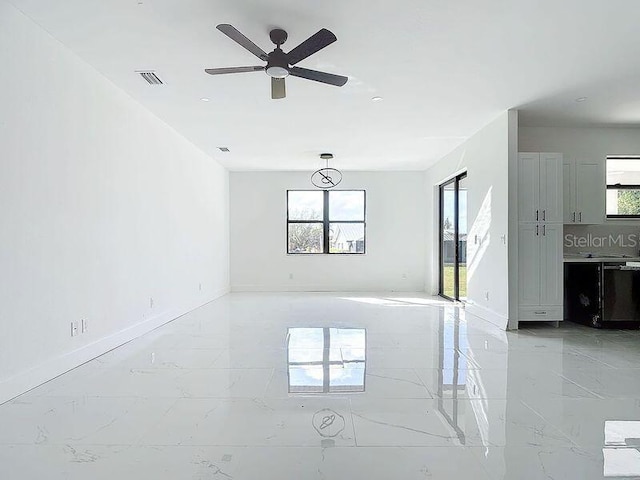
[543, 463]
[337, 386]
[592, 423]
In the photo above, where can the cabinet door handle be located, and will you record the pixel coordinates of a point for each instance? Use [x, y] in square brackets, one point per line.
[574, 217]
[580, 217]
[544, 230]
[540, 313]
[537, 230]
[544, 215]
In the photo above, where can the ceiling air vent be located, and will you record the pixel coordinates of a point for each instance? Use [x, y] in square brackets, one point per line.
[151, 77]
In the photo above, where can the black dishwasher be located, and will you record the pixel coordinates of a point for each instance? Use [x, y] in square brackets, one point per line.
[620, 293]
[602, 294]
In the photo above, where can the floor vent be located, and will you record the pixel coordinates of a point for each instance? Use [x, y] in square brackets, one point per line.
[151, 77]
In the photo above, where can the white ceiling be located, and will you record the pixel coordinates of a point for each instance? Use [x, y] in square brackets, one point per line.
[444, 68]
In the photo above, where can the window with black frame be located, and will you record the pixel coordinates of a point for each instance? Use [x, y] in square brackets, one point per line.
[326, 221]
[623, 186]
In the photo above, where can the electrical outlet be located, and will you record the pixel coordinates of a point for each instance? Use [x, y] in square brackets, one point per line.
[84, 325]
[150, 302]
[74, 329]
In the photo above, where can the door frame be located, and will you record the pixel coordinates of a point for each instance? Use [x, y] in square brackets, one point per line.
[456, 235]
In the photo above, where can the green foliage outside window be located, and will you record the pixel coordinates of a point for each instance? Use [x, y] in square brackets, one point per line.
[629, 202]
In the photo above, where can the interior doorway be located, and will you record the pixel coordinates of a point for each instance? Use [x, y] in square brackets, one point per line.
[453, 238]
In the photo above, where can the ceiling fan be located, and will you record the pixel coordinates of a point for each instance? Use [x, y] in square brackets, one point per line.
[280, 64]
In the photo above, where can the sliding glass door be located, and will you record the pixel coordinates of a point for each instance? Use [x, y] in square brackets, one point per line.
[453, 238]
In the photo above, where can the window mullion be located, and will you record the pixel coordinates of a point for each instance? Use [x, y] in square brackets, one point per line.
[325, 218]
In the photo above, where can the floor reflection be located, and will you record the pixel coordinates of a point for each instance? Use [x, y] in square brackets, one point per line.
[326, 360]
[462, 396]
[621, 455]
[452, 371]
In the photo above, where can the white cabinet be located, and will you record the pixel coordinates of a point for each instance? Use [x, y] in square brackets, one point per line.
[551, 264]
[540, 234]
[540, 187]
[528, 187]
[590, 193]
[583, 192]
[569, 191]
[529, 264]
[540, 271]
[551, 187]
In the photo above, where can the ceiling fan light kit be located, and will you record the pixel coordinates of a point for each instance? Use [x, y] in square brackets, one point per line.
[280, 64]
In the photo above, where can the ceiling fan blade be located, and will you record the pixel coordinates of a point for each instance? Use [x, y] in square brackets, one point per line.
[233, 33]
[220, 71]
[322, 77]
[277, 88]
[311, 45]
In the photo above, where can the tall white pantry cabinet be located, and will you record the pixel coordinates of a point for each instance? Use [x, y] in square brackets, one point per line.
[540, 249]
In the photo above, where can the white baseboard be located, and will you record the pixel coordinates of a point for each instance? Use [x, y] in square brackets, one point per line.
[325, 288]
[27, 380]
[495, 318]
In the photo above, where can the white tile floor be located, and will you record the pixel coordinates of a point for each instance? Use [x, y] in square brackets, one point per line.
[207, 397]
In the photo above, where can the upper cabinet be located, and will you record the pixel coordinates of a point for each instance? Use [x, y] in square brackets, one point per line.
[551, 187]
[583, 192]
[540, 193]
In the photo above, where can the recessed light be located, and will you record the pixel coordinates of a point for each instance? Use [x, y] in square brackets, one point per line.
[581, 99]
[224, 149]
[376, 99]
[204, 99]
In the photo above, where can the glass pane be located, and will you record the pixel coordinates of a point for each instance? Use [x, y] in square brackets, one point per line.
[305, 237]
[346, 237]
[624, 171]
[346, 379]
[462, 237]
[306, 379]
[348, 337]
[301, 338]
[447, 255]
[623, 202]
[347, 345]
[305, 345]
[346, 205]
[305, 205]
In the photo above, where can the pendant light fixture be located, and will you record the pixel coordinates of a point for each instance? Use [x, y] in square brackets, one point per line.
[326, 178]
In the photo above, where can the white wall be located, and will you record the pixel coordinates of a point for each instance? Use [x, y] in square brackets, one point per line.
[103, 206]
[395, 235]
[485, 157]
[580, 143]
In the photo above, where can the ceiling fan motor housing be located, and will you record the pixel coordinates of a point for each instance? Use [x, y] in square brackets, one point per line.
[277, 65]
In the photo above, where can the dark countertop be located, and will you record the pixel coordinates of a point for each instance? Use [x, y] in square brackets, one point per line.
[581, 259]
